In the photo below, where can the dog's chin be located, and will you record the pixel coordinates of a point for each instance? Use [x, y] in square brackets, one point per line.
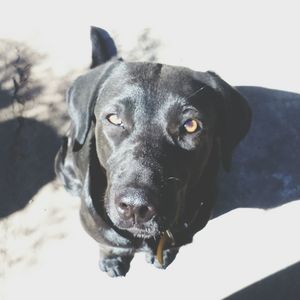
[140, 231]
[151, 229]
[143, 233]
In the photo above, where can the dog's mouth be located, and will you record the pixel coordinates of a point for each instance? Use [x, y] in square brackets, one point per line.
[143, 232]
[152, 229]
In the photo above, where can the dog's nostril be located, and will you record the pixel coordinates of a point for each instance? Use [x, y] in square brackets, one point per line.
[125, 210]
[143, 210]
[123, 205]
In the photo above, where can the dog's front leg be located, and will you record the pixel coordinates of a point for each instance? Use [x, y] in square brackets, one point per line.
[115, 261]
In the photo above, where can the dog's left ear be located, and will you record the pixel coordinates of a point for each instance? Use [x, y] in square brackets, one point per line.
[234, 116]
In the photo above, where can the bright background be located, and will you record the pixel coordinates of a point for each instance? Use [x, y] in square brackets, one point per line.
[248, 42]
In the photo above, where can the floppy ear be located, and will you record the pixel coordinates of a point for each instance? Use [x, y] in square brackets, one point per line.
[234, 115]
[103, 47]
[81, 99]
[66, 170]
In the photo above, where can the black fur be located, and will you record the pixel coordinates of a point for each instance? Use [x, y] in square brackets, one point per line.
[148, 168]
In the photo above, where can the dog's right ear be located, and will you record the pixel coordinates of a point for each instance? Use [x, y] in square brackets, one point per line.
[103, 47]
[81, 99]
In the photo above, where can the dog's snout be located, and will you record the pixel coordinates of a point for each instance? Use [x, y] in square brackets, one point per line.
[134, 211]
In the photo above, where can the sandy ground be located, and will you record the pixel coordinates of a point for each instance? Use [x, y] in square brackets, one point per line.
[251, 248]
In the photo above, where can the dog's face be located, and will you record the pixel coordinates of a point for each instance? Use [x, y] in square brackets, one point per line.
[154, 130]
[155, 126]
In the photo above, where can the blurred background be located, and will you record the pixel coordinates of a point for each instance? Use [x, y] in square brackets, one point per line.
[251, 247]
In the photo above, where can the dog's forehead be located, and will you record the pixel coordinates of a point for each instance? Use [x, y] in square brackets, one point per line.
[149, 83]
[161, 78]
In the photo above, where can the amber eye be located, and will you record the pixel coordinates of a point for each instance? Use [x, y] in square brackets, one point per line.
[114, 119]
[192, 125]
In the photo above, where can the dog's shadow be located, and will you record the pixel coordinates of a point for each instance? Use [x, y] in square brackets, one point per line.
[266, 166]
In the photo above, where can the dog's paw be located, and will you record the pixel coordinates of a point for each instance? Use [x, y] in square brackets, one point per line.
[115, 266]
[168, 257]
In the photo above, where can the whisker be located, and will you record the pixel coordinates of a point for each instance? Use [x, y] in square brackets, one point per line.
[196, 92]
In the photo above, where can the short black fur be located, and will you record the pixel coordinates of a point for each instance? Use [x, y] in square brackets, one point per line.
[141, 173]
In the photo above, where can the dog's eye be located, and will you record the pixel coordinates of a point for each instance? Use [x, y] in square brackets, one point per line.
[114, 119]
[192, 125]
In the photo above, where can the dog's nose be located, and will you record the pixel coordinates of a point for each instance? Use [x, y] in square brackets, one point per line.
[138, 213]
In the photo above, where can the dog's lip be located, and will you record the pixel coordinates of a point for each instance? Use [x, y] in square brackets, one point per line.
[143, 232]
[138, 230]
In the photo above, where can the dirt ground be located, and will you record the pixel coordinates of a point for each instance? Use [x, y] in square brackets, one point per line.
[251, 247]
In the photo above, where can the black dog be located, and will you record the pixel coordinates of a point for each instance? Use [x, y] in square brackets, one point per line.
[143, 152]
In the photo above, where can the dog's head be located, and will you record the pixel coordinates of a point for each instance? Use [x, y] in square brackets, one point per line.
[154, 127]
